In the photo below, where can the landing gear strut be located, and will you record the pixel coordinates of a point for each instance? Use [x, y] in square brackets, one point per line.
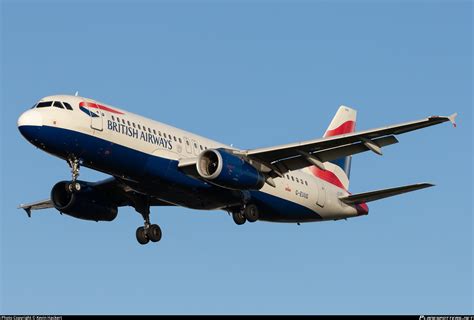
[149, 232]
[74, 186]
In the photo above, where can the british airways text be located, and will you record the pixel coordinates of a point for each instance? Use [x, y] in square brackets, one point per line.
[138, 134]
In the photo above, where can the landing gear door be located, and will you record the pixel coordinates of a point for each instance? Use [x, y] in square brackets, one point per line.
[96, 119]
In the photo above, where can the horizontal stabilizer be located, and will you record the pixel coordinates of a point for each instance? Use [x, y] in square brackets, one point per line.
[380, 194]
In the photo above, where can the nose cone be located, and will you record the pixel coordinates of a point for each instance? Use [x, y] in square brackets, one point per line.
[29, 123]
[30, 118]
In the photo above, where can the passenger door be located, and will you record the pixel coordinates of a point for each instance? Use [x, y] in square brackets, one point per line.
[96, 119]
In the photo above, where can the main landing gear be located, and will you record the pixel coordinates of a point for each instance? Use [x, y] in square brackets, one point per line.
[248, 213]
[149, 232]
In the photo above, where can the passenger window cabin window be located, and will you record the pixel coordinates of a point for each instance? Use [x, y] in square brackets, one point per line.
[293, 179]
[67, 105]
[154, 132]
[128, 122]
[149, 130]
[159, 133]
[123, 120]
[133, 124]
[195, 145]
[58, 104]
[306, 182]
[297, 180]
[144, 128]
[200, 146]
[118, 119]
[169, 136]
[180, 141]
[113, 118]
[187, 142]
[44, 104]
[174, 138]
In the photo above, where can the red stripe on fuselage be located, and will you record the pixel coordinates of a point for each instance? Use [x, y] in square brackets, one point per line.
[327, 176]
[98, 106]
[346, 127]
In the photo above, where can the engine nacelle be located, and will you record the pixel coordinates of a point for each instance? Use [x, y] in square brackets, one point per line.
[86, 204]
[229, 171]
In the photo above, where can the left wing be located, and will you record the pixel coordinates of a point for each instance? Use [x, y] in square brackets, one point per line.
[38, 205]
[281, 159]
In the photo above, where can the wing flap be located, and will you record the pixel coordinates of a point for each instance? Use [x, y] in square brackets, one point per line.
[384, 193]
[301, 161]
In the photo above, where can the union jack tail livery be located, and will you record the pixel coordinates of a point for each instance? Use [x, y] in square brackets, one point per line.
[337, 171]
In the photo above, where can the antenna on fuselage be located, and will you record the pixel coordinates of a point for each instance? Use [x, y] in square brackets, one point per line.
[77, 93]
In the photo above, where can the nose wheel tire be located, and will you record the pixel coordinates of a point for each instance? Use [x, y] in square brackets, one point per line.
[74, 187]
[238, 217]
[251, 212]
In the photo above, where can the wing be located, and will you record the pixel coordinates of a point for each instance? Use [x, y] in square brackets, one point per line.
[294, 156]
[44, 204]
[116, 190]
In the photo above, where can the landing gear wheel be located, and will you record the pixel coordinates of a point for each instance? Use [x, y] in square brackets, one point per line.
[154, 233]
[74, 187]
[251, 212]
[141, 236]
[238, 217]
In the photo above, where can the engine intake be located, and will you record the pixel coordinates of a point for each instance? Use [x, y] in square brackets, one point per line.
[86, 204]
[224, 169]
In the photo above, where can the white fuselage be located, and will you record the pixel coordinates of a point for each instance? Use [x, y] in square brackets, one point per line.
[117, 127]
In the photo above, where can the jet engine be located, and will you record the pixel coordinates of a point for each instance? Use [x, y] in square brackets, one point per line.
[87, 203]
[227, 170]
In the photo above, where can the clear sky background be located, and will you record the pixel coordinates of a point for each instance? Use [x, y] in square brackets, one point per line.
[252, 74]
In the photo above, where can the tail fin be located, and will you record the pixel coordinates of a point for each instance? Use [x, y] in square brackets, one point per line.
[338, 171]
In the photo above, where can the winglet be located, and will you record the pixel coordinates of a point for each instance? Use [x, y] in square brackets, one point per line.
[27, 210]
[452, 118]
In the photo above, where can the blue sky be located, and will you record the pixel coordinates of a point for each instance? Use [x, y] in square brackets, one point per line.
[252, 74]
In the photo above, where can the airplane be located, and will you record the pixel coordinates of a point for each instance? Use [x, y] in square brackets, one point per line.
[154, 164]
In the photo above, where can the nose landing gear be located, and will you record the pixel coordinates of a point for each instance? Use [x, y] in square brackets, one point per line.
[74, 186]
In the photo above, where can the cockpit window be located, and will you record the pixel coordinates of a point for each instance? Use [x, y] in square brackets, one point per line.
[58, 104]
[44, 104]
[67, 105]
